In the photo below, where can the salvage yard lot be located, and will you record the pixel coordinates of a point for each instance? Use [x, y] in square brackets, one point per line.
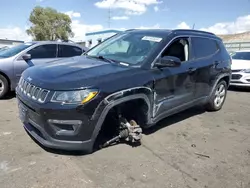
[194, 149]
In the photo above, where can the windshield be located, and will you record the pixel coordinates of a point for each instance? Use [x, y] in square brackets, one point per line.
[3, 48]
[130, 48]
[14, 50]
[241, 55]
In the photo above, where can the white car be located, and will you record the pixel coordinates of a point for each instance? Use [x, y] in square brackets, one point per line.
[240, 68]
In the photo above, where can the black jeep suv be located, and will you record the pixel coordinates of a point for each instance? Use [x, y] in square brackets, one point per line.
[141, 75]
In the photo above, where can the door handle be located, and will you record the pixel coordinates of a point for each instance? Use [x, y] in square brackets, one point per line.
[192, 69]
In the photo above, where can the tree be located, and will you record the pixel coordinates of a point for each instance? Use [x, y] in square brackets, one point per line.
[48, 24]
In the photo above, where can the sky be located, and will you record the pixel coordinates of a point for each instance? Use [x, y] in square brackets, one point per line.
[217, 16]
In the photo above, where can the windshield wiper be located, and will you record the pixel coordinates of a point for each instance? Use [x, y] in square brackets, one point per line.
[104, 58]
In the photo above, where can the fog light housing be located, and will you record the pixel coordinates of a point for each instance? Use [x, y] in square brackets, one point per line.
[65, 127]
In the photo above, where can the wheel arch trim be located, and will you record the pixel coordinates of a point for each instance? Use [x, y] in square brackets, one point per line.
[114, 103]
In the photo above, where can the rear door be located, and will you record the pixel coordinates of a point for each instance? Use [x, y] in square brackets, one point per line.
[206, 59]
[40, 54]
[65, 51]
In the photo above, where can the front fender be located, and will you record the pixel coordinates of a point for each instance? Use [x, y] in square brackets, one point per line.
[114, 99]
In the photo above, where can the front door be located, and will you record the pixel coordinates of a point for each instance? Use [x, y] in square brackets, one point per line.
[40, 54]
[174, 86]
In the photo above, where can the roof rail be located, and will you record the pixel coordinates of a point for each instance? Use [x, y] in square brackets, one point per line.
[195, 31]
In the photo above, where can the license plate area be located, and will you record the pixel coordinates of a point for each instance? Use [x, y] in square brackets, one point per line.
[22, 112]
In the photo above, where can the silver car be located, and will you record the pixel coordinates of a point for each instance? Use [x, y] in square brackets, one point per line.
[14, 61]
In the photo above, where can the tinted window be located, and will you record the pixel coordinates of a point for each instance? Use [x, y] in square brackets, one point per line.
[241, 55]
[69, 51]
[204, 47]
[43, 51]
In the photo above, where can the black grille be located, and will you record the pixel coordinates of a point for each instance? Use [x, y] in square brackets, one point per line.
[236, 70]
[236, 76]
[36, 93]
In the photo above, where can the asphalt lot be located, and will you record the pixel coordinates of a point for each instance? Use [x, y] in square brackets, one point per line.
[194, 149]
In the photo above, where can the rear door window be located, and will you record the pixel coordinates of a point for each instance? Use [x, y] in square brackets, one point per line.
[43, 51]
[204, 47]
[69, 51]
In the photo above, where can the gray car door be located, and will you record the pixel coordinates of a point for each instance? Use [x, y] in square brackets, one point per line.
[40, 54]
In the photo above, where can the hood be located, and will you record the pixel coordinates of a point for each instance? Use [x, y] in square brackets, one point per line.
[240, 64]
[72, 73]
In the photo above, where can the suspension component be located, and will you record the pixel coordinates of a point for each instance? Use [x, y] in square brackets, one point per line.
[128, 131]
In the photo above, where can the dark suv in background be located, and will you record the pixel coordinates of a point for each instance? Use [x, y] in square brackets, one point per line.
[12, 63]
[137, 77]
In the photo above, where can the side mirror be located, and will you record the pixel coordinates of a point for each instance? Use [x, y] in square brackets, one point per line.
[168, 61]
[26, 57]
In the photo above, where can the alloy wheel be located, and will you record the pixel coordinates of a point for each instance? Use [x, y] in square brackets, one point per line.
[220, 95]
[1, 86]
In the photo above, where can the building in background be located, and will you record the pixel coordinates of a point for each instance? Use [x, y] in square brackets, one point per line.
[9, 43]
[95, 38]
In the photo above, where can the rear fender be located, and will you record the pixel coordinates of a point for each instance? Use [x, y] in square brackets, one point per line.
[217, 81]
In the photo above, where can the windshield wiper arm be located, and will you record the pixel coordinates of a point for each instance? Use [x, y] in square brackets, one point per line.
[104, 58]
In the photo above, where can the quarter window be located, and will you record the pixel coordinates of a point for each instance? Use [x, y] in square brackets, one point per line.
[43, 51]
[204, 47]
[69, 51]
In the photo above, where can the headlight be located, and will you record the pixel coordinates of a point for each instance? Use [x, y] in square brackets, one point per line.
[246, 70]
[74, 97]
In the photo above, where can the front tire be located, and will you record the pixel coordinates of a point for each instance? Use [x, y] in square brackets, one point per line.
[218, 97]
[4, 86]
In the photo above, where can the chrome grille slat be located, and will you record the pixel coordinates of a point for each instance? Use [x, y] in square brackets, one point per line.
[32, 91]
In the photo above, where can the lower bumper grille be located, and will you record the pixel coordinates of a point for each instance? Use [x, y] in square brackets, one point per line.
[236, 76]
[237, 70]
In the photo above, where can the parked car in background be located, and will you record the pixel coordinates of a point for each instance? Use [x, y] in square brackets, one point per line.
[241, 68]
[12, 63]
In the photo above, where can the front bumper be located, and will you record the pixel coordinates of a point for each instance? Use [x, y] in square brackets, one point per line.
[36, 121]
[240, 79]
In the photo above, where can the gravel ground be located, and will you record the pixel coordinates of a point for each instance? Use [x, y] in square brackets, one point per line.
[193, 149]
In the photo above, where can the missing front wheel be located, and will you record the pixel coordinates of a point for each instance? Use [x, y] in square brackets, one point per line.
[129, 132]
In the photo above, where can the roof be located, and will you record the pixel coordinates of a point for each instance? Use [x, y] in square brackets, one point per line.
[175, 31]
[150, 31]
[102, 32]
[11, 40]
[52, 42]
